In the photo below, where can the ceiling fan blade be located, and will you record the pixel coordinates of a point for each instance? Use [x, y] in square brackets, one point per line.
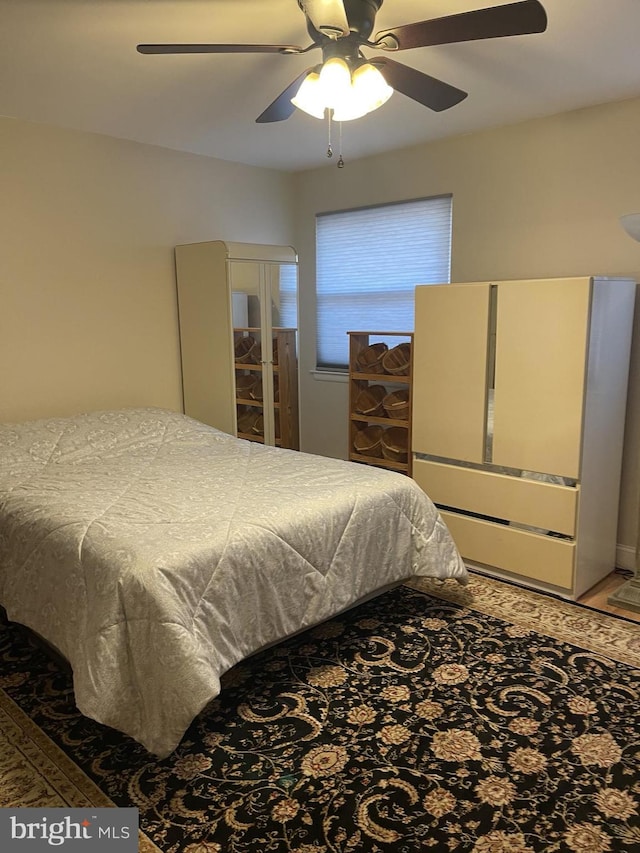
[282, 108]
[527, 16]
[327, 16]
[420, 87]
[219, 48]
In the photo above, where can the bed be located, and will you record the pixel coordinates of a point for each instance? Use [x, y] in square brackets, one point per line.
[155, 552]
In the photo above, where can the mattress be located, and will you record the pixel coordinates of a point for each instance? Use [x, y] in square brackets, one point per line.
[155, 552]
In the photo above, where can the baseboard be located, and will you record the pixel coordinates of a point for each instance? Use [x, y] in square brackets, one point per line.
[626, 557]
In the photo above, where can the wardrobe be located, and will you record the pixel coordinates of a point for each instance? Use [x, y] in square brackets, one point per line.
[237, 306]
[519, 402]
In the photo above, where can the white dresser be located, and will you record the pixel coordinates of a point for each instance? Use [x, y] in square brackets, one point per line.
[519, 399]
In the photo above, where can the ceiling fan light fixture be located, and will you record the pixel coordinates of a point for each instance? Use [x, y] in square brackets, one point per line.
[348, 95]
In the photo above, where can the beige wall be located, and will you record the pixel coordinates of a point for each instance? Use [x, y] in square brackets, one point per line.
[88, 225]
[539, 199]
[87, 285]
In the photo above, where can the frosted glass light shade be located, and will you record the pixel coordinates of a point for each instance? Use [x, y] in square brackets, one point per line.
[335, 82]
[368, 91]
[370, 87]
[309, 97]
[631, 224]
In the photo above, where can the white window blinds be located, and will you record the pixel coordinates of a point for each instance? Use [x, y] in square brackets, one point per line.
[368, 262]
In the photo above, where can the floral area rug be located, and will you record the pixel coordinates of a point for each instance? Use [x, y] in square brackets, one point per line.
[34, 772]
[486, 719]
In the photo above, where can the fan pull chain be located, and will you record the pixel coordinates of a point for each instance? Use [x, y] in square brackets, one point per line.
[340, 160]
[340, 163]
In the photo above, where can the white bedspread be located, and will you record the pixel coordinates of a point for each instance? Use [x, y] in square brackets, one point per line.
[156, 552]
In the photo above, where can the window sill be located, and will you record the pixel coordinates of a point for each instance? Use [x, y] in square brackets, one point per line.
[330, 375]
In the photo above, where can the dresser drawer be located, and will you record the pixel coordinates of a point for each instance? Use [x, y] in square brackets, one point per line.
[531, 555]
[530, 502]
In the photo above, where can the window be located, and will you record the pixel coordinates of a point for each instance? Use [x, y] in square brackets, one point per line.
[368, 262]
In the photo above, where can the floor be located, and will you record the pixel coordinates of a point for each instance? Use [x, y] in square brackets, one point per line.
[597, 596]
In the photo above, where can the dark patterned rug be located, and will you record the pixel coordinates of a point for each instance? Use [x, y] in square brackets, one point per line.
[415, 722]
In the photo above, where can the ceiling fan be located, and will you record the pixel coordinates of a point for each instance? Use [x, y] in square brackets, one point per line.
[340, 28]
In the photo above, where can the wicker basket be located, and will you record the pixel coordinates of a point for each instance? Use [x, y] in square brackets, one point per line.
[369, 401]
[397, 360]
[395, 444]
[256, 391]
[367, 441]
[245, 385]
[245, 350]
[258, 425]
[246, 419]
[396, 404]
[369, 359]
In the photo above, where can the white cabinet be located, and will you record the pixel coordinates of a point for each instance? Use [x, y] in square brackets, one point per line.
[228, 292]
[518, 422]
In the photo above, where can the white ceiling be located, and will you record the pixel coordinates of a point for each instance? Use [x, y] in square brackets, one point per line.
[73, 63]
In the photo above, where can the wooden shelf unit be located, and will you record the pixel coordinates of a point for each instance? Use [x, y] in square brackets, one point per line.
[284, 370]
[358, 381]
